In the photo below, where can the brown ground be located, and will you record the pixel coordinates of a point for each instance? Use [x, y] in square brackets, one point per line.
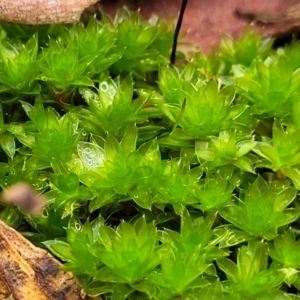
[206, 20]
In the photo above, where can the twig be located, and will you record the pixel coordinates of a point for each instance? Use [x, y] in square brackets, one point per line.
[177, 29]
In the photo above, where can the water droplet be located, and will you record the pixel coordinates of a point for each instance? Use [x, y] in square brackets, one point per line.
[103, 86]
[13, 172]
[84, 133]
[77, 226]
[87, 150]
[6, 182]
[90, 162]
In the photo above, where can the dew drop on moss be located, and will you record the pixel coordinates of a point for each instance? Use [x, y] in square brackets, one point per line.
[87, 150]
[103, 86]
[77, 226]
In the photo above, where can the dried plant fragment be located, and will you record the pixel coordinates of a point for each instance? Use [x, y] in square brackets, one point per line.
[280, 26]
[22, 195]
[292, 14]
[28, 272]
[38, 12]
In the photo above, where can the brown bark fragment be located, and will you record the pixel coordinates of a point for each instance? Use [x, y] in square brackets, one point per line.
[28, 272]
[37, 12]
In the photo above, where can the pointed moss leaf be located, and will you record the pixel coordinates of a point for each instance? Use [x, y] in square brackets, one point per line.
[127, 87]
[129, 251]
[228, 267]
[83, 81]
[245, 164]
[96, 288]
[243, 51]
[106, 274]
[27, 107]
[121, 291]
[250, 276]
[91, 155]
[291, 275]
[229, 236]
[111, 147]
[259, 215]
[204, 152]
[25, 137]
[294, 175]
[231, 213]
[128, 143]
[268, 152]
[19, 71]
[67, 184]
[285, 249]
[1, 118]
[8, 144]
[284, 198]
[244, 147]
[60, 249]
[102, 199]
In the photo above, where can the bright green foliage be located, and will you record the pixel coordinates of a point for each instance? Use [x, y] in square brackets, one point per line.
[155, 173]
[271, 86]
[22, 169]
[112, 108]
[263, 210]
[174, 186]
[83, 242]
[187, 253]
[68, 193]
[226, 149]
[286, 250]
[94, 41]
[47, 226]
[111, 170]
[282, 153]
[250, 46]
[172, 81]
[124, 255]
[292, 53]
[203, 108]
[63, 68]
[7, 141]
[215, 191]
[129, 253]
[207, 111]
[251, 278]
[18, 67]
[145, 46]
[211, 65]
[56, 137]
[164, 182]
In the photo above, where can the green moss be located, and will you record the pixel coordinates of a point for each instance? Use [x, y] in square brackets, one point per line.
[163, 182]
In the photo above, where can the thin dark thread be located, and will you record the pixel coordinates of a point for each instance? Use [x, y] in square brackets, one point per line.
[177, 30]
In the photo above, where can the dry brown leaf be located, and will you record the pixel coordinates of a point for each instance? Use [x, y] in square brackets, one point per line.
[280, 25]
[24, 196]
[28, 272]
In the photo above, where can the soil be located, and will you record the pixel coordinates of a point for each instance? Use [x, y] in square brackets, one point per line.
[206, 21]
